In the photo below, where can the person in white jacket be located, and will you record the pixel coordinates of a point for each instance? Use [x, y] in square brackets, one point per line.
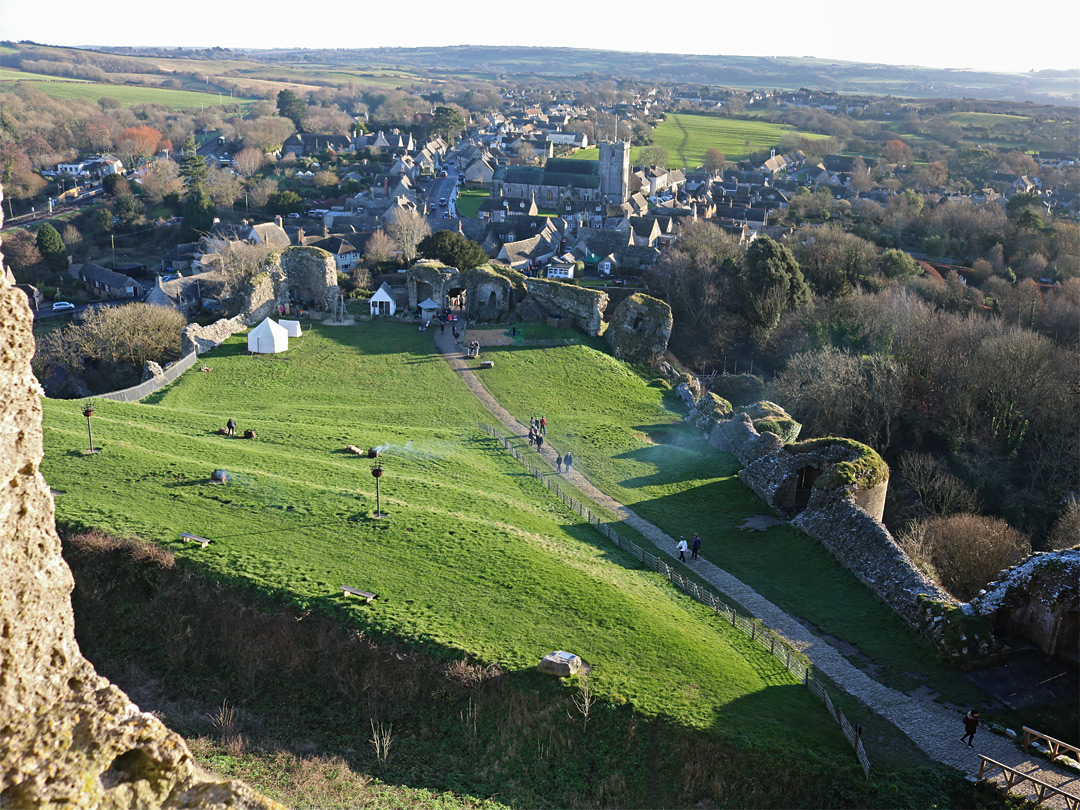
[682, 547]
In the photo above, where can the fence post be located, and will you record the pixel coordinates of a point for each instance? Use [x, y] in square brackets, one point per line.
[806, 677]
[733, 617]
[772, 645]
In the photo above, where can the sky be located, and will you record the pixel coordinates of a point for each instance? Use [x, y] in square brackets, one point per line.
[932, 33]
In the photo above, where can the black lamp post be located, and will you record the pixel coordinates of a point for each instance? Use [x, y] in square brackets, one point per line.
[377, 472]
[88, 411]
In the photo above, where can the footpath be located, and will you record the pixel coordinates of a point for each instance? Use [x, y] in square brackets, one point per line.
[935, 729]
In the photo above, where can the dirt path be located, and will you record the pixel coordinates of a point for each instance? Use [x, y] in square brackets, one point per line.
[933, 728]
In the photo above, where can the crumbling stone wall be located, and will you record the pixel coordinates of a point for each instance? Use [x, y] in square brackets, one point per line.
[1038, 599]
[309, 278]
[488, 294]
[68, 738]
[639, 329]
[261, 302]
[547, 299]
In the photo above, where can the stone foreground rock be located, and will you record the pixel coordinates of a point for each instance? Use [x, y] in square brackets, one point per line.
[560, 663]
[68, 737]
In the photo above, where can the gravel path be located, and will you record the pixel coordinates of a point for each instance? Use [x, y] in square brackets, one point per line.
[933, 728]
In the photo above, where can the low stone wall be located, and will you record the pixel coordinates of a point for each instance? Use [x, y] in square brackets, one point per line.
[147, 387]
[261, 303]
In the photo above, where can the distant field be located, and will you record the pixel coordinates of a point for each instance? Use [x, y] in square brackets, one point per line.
[687, 137]
[9, 75]
[989, 120]
[125, 94]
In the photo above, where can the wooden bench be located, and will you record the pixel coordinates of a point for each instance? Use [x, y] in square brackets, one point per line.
[365, 595]
[188, 537]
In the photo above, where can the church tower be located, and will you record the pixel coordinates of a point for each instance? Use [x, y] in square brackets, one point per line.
[615, 172]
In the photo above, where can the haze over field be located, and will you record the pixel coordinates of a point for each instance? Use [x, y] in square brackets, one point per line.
[942, 35]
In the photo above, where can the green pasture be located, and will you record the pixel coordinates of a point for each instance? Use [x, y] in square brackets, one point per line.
[8, 75]
[127, 95]
[990, 120]
[476, 558]
[469, 201]
[628, 438]
[687, 137]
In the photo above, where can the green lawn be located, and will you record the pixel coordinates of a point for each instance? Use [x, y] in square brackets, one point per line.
[127, 95]
[687, 137]
[9, 75]
[476, 558]
[627, 437]
[469, 201]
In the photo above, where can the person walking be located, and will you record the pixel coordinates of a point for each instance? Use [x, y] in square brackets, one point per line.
[681, 548]
[568, 461]
[971, 723]
[539, 442]
[230, 427]
[558, 462]
[543, 426]
[695, 546]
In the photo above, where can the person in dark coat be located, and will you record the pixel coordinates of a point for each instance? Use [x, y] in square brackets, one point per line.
[230, 427]
[539, 442]
[695, 546]
[971, 723]
[567, 461]
[558, 462]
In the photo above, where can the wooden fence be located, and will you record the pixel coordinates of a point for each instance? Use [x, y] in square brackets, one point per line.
[768, 639]
[1015, 779]
[1056, 747]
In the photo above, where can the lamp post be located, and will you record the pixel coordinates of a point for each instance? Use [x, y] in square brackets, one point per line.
[88, 411]
[377, 472]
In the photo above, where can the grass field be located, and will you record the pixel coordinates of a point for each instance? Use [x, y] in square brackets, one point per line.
[989, 120]
[469, 201]
[295, 522]
[628, 438]
[687, 137]
[128, 95]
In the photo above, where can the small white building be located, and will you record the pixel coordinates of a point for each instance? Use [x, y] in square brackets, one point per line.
[382, 302]
[429, 309]
[268, 338]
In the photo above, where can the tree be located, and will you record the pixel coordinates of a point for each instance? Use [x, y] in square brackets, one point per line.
[407, 227]
[22, 257]
[379, 249]
[452, 249]
[653, 156]
[240, 263]
[116, 185]
[249, 160]
[896, 264]
[161, 178]
[223, 187]
[17, 174]
[447, 122]
[138, 143]
[192, 168]
[895, 151]
[771, 284]
[52, 248]
[284, 202]
[832, 260]
[261, 191]
[714, 160]
[292, 107]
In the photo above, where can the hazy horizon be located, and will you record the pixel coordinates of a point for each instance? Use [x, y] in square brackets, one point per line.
[920, 34]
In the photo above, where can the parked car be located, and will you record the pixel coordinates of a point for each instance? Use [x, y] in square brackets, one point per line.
[60, 306]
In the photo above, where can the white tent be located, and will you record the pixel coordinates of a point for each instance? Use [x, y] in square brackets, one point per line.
[382, 302]
[429, 309]
[292, 328]
[268, 338]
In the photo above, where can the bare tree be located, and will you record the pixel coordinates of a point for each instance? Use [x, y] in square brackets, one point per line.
[240, 263]
[224, 187]
[967, 551]
[380, 248]
[249, 160]
[714, 160]
[260, 191]
[162, 178]
[940, 492]
[407, 227]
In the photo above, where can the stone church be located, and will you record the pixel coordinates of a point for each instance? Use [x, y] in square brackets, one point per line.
[606, 180]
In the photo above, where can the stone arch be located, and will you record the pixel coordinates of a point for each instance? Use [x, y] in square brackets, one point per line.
[804, 486]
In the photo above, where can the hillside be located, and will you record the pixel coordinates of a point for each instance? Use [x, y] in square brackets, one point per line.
[476, 559]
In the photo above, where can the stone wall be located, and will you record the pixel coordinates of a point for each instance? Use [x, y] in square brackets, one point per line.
[554, 298]
[309, 278]
[639, 329]
[488, 294]
[70, 738]
[1038, 599]
[260, 302]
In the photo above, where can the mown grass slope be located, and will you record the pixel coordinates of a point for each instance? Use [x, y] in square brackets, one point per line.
[475, 559]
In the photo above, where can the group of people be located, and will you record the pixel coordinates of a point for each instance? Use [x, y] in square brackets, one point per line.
[682, 548]
[537, 432]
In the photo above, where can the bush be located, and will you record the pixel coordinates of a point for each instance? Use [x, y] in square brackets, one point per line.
[965, 552]
[1066, 531]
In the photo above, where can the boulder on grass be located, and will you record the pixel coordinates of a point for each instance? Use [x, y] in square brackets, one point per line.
[560, 663]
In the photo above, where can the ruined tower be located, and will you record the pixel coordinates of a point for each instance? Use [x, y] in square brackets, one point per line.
[615, 172]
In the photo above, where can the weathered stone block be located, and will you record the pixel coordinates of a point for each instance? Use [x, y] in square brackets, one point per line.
[639, 329]
[560, 663]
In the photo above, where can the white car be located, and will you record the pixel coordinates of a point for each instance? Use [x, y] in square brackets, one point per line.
[60, 306]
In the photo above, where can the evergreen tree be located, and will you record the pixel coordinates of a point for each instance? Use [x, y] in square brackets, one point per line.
[291, 106]
[452, 249]
[192, 169]
[52, 247]
[772, 283]
[198, 216]
[447, 122]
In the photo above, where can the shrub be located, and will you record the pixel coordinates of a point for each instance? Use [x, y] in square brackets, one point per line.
[1066, 531]
[966, 551]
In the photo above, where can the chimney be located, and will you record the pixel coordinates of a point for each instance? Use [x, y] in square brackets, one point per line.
[277, 220]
